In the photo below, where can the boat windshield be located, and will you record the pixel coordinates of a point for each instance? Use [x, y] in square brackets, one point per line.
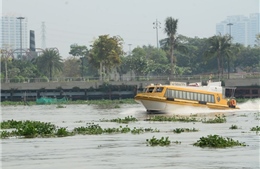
[159, 89]
[145, 89]
[150, 90]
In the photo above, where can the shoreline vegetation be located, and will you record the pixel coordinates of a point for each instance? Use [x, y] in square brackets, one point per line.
[102, 103]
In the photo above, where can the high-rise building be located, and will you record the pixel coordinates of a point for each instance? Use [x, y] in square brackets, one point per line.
[13, 32]
[242, 29]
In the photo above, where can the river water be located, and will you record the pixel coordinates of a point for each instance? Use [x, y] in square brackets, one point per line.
[128, 151]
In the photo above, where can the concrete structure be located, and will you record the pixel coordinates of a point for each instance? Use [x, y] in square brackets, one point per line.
[243, 29]
[246, 88]
[10, 38]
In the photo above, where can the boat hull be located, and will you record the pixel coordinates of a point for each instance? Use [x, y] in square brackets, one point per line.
[178, 106]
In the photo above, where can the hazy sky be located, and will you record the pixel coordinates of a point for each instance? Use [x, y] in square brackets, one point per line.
[81, 21]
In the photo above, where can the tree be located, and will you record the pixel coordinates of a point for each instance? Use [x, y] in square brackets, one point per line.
[79, 51]
[157, 60]
[219, 47]
[124, 67]
[71, 67]
[138, 62]
[105, 54]
[49, 62]
[248, 59]
[257, 41]
[171, 31]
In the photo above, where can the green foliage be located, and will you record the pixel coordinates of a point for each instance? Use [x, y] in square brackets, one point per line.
[16, 79]
[124, 120]
[217, 119]
[257, 129]
[60, 106]
[146, 60]
[9, 124]
[32, 129]
[49, 62]
[105, 54]
[174, 118]
[180, 130]
[76, 50]
[62, 132]
[5, 134]
[141, 130]
[161, 142]
[138, 62]
[90, 129]
[216, 141]
[233, 127]
[44, 79]
[219, 47]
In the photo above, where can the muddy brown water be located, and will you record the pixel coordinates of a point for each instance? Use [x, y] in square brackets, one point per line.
[128, 151]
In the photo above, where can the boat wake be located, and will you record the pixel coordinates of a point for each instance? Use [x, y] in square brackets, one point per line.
[250, 105]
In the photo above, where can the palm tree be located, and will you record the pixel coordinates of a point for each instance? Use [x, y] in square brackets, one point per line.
[219, 46]
[171, 31]
[50, 61]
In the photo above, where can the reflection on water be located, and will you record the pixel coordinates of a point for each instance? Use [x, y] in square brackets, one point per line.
[129, 150]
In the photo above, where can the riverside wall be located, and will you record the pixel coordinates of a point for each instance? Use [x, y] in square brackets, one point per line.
[245, 88]
[96, 84]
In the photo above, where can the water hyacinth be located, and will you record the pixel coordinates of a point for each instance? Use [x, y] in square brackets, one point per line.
[164, 141]
[233, 127]
[216, 141]
[173, 119]
[120, 120]
[180, 130]
[90, 129]
[217, 119]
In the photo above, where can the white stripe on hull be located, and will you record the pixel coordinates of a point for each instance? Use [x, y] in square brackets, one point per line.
[153, 105]
[169, 108]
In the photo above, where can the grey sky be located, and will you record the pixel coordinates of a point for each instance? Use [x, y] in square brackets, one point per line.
[80, 21]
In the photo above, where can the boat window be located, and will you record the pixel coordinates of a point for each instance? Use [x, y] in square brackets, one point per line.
[180, 94]
[189, 95]
[150, 90]
[145, 89]
[184, 95]
[195, 96]
[203, 96]
[159, 89]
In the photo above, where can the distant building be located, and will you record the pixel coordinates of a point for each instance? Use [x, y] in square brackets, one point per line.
[11, 34]
[243, 29]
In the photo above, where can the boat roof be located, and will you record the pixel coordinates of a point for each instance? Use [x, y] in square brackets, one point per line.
[211, 86]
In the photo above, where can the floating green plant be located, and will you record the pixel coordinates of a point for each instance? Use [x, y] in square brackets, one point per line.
[164, 141]
[10, 124]
[60, 106]
[216, 141]
[180, 130]
[90, 129]
[233, 127]
[137, 130]
[5, 134]
[119, 120]
[257, 129]
[32, 129]
[125, 129]
[217, 119]
[63, 132]
[176, 142]
[173, 118]
[151, 130]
